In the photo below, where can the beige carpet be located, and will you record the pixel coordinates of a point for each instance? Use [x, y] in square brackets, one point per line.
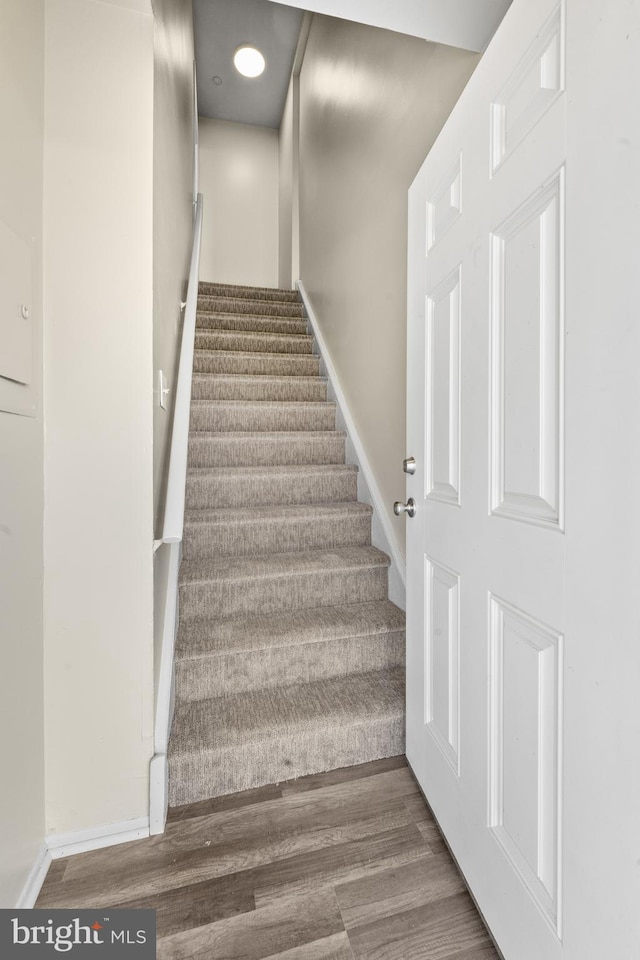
[290, 657]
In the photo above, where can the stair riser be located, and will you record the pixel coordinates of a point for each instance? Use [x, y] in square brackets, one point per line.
[230, 321]
[251, 342]
[247, 293]
[237, 491]
[262, 596]
[248, 539]
[218, 772]
[215, 676]
[275, 365]
[246, 417]
[290, 388]
[265, 308]
[224, 451]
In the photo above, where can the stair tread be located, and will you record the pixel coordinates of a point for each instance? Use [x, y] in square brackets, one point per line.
[274, 470]
[230, 315]
[247, 515]
[251, 378]
[300, 358]
[275, 565]
[244, 287]
[255, 301]
[249, 335]
[275, 435]
[253, 334]
[204, 638]
[236, 404]
[259, 715]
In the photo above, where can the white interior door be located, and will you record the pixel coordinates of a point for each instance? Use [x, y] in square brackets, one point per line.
[492, 575]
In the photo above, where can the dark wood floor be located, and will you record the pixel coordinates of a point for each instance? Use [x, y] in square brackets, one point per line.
[338, 866]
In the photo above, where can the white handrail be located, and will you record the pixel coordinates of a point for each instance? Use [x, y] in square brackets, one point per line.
[174, 505]
[196, 139]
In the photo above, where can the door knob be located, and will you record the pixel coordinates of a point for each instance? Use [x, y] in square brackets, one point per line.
[409, 465]
[409, 507]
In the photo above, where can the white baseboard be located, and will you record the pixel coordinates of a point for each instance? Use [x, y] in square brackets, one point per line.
[37, 876]
[158, 793]
[166, 569]
[80, 841]
[382, 533]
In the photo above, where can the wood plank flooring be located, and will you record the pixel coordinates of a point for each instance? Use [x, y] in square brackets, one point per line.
[345, 865]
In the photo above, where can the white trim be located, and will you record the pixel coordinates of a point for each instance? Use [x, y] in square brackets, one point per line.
[35, 880]
[158, 793]
[383, 534]
[94, 838]
[166, 627]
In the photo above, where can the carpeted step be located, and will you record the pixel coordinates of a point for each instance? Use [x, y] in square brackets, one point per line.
[271, 308]
[250, 293]
[214, 658]
[218, 487]
[233, 743]
[228, 387]
[260, 364]
[289, 654]
[251, 531]
[266, 449]
[243, 586]
[243, 321]
[261, 415]
[249, 341]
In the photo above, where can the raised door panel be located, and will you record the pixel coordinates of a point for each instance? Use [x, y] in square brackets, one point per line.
[524, 750]
[533, 87]
[442, 655]
[442, 468]
[527, 330]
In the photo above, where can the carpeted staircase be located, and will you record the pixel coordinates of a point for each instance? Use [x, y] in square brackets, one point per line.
[289, 657]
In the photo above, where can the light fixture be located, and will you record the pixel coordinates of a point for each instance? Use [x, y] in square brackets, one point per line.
[248, 61]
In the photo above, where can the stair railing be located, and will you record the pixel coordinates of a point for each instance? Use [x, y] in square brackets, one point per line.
[167, 564]
[174, 507]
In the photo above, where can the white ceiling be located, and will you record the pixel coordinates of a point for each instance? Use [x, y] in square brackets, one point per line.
[459, 23]
[223, 25]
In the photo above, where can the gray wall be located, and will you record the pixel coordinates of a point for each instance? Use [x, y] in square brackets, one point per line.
[371, 104]
[239, 182]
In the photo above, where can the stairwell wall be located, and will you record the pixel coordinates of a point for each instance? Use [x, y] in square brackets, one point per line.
[286, 189]
[98, 590]
[239, 182]
[21, 467]
[173, 119]
[371, 103]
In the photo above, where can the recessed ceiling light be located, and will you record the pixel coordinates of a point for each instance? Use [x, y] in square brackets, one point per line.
[248, 61]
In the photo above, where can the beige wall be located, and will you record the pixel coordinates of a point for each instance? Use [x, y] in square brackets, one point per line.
[239, 181]
[172, 210]
[371, 105]
[286, 190]
[21, 465]
[98, 603]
